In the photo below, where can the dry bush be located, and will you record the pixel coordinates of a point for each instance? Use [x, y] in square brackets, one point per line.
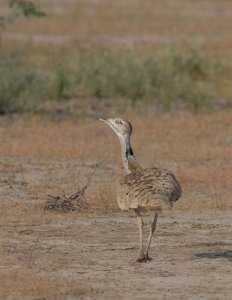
[64, 204]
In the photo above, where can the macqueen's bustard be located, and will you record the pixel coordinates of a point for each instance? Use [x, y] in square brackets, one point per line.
[153, 188]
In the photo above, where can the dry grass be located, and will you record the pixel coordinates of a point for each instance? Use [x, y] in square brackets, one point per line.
[26, 284]
[40, 157]
[160, 22]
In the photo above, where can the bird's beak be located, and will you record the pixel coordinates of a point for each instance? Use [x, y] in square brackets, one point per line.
[103, 120]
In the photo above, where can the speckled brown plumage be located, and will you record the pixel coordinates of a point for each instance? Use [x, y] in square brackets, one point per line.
[153, 188]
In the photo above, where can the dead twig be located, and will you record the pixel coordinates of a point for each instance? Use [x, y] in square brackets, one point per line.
[72, 202]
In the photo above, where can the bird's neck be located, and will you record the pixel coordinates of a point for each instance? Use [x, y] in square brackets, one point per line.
[129, 161]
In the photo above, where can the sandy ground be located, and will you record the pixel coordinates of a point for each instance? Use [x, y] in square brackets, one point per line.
[192, 252]
[192, 256]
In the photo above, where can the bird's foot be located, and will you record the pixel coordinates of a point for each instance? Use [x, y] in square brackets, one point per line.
[148, 258]
[141, 258]
[144, 258]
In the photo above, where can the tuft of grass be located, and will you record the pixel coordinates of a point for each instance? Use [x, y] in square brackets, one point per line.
[61, 81]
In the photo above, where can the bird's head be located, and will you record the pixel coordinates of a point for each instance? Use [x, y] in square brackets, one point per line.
[121, 127]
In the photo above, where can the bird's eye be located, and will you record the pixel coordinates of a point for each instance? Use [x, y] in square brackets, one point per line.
[118, 121]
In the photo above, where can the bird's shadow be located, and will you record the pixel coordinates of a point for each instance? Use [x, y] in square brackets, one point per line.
[218, 254]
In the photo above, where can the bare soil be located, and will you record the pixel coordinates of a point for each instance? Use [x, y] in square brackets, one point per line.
[192, 257]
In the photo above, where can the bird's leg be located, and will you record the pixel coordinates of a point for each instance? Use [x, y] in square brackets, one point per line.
[152, 230]
[141, 257]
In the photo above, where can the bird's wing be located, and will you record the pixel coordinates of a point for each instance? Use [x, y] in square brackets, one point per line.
[153, 187]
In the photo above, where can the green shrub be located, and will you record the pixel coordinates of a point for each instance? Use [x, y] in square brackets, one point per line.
[21, 87]
[61, 82]
[102, 74]
[187, 76]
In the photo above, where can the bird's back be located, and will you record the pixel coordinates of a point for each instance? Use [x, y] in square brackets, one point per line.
[154, 188]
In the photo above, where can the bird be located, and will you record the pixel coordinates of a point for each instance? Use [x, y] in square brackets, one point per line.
[153, 189]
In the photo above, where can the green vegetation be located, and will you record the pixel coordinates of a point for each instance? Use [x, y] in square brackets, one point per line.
[183, 76]
[188, 77]
[21, 87]
[20, 8]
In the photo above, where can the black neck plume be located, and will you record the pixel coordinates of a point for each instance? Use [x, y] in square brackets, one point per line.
[129, 152]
